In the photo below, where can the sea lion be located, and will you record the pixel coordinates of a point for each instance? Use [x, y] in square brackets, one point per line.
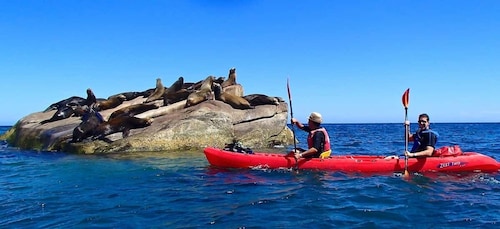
[219, 80]
[231, 79]
[234, 90]
[260, 99]
[197, 97]
[73, 100]
[128, 95]
[64, 113]
[197, 85]
[120, 124]
[60, 114]
[193, 86]
[188, 85]
[177, 85]
[281, 100]
[91, 99]
[112, 102]
[170, 92]
[176, 96]
[204, 93]
[207, 84]
[147, 92]
[158, 92]
[86, 128]
[133, 110]
[233, 100]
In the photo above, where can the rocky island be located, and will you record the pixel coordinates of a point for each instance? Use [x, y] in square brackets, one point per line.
[184, 116]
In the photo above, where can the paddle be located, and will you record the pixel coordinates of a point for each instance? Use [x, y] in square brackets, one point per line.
[406, 101]
[291, 117]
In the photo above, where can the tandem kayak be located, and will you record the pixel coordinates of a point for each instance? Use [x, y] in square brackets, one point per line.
[465, 162]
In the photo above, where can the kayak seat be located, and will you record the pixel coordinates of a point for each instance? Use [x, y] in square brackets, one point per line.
[325, 154]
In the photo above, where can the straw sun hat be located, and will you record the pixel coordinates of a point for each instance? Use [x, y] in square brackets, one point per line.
[316, 117]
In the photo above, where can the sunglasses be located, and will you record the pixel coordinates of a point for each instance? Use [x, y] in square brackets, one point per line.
[422, 121]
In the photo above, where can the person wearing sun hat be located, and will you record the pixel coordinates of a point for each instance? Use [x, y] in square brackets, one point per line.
[318, 141]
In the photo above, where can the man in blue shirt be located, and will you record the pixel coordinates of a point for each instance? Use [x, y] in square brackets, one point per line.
[424, 139]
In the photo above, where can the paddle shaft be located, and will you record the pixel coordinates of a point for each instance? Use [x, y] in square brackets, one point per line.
[293, 125]
[406, 100]
[406, 139]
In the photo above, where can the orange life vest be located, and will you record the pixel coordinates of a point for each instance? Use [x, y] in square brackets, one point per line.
[326, 147]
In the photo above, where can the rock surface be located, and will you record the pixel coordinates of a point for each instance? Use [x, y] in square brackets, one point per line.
[210, 123]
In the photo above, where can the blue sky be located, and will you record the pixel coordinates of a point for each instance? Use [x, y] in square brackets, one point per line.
[349, 60]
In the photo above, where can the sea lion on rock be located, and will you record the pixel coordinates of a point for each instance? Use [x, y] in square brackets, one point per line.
[204, 93]
[193, 86]
[73, 100]
[120, 124]
[147, 92]
[231, 79]
[207, 84]
[188, 85]
[65, 112]
[219, 80]
[170, 93]
[281, 100]
[112, 102]
[157, 93]
[197, 97]
[260, 99]
[91, 99]
[133, 110]
[197, 85]
[233, 100]
[177, 85]
[86, 128]
[176, 96]
[234, 90]
[129, 95]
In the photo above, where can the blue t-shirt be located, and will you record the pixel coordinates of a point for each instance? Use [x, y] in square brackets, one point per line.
[424, 138]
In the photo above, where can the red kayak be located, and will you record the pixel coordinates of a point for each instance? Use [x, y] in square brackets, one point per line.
[465, 162]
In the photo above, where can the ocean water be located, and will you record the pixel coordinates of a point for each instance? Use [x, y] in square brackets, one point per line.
[181, 190]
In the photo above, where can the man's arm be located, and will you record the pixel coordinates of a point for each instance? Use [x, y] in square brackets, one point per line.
[427, 152]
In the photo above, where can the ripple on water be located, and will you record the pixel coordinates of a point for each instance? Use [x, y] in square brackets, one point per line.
[179, 189]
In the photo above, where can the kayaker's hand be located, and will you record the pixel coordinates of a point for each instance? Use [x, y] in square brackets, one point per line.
[407, 153]
[293, 152]
[407, 123]
[293, 121]
[298, 155]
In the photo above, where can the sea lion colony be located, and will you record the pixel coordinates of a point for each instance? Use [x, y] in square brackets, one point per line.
[93, 125]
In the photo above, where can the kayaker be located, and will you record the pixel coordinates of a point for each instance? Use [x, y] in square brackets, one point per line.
[424, 139]
[318, 141]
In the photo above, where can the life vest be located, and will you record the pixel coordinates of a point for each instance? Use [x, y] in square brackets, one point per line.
[326, 147]
[417, 138]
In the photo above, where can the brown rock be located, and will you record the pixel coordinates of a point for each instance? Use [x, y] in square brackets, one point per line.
[210, 123]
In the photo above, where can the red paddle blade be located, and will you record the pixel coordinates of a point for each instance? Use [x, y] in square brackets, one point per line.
[405, 98]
